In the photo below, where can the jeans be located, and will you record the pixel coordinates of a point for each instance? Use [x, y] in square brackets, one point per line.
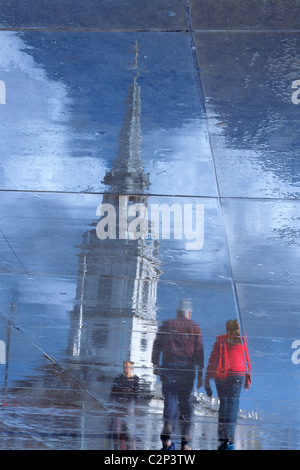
[229, 391]
[177, 385]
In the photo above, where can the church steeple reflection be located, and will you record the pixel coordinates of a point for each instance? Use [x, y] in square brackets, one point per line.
[114, 317]
[127, 175]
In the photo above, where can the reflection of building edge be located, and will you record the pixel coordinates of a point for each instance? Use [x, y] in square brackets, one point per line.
[114, 318]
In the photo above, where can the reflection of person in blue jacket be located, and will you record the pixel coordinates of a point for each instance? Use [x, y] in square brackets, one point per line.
[179, 342]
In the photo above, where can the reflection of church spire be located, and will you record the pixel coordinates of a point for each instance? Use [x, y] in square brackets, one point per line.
[117, 281]
[127, 174]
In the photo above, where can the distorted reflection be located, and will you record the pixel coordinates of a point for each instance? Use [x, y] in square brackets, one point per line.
[127, 384]
[177, 356]
[229, 366]
[124, 393]
[262, 147]
[114, 318]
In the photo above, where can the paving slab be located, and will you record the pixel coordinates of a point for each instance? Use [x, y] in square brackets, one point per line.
[247, 80]
[94, 14]
[251, 15]
[77, 97]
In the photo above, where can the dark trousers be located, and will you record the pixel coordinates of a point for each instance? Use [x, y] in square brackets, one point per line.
[177, 385]
[229, 391]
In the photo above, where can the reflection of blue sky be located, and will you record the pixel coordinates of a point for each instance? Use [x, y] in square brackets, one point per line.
[266, 179]
[247, 83]
[182, 157]
[265, 247]
[71, 105]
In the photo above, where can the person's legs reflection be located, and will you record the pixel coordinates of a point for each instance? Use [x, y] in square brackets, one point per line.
[185, 386]
[229, 391]
[170, 407]
[177, 385]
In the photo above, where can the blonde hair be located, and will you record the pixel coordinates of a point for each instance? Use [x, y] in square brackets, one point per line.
[233, 325]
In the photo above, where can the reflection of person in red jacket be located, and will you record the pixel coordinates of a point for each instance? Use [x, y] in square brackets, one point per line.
[229, 366]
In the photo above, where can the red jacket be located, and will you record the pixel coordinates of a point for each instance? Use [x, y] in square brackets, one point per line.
[236, 358]
[179, 341]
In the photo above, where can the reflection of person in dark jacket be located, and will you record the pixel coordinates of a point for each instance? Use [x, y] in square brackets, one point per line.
[124, 394]
[229, 365]
[179, 342]
[126, 385]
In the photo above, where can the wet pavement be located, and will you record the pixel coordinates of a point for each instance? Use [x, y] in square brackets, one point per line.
[114, 112]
